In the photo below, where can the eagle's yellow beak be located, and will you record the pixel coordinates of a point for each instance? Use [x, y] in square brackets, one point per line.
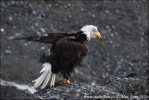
[98, 34]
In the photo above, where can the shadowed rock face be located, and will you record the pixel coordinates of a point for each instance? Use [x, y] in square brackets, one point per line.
[122, 50]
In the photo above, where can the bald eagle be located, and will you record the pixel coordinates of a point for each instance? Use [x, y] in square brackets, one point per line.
[67, 51]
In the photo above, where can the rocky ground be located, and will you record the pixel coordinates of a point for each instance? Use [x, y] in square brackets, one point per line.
[117, 64]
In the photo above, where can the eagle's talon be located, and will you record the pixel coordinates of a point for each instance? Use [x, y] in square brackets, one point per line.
[66, 81]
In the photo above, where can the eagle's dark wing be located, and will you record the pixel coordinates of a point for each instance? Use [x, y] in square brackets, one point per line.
[71, 48]
[48, 38]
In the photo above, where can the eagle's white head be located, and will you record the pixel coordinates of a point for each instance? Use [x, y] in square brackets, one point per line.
[90, 31]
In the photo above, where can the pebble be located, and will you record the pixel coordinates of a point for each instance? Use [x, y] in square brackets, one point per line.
[42, 30]
[25, 44]
[1, 56]
[34, 12]
[78, 90]
[8, 51]
[77, 94]
[2, 30]
[69, 5]
[10, 18]
[107, 11]
[76, 71]
[42, 48]
[82, 9]
[70, 16]
[11, 37]
[93, 15]
[36, 24]
[67, 91]
[14, 27]
[24, 56]
[111, 35]
[93, 83]
[54, 97]
[38, 33]
[107, 26]
[110, 42]
[50, 5]
[14, 36]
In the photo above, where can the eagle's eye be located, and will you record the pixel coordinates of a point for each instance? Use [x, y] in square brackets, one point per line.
[94, 30]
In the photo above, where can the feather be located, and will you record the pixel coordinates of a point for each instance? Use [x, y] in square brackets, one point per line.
[45, 75]
[52, 80]
[49, 38]
[46, 80]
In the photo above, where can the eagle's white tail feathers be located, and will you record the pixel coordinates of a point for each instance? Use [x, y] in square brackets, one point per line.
[40, 80]
[46, 81]
[45, 77]
[52, 80]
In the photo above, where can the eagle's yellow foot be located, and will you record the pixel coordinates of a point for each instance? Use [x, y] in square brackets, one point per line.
[66, 81]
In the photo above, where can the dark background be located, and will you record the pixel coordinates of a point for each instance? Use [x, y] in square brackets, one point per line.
[123, 48]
